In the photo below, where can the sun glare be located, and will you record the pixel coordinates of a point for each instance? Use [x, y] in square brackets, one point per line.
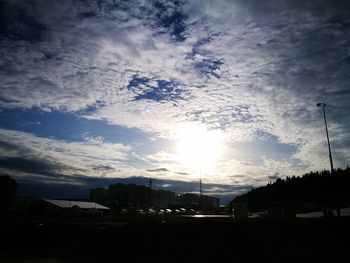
[198, 148]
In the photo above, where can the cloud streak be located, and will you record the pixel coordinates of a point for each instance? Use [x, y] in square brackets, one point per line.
[252, 71]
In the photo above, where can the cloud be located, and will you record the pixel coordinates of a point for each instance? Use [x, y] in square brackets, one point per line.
[158, 170]
[28, 157]
[253, 70]
[22, 154]
[31, 123]
[42, 168]
[31, 165]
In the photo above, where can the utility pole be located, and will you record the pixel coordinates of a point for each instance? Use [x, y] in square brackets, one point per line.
[323, 106]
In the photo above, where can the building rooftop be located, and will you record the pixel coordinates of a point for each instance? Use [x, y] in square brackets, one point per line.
[80, 204]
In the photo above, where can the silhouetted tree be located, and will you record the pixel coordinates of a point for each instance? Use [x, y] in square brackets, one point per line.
[324, 188]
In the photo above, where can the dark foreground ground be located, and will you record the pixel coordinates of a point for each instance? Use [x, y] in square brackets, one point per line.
[172, 239]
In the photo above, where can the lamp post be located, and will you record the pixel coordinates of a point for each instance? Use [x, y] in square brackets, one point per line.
[200, 194]
[323, 106]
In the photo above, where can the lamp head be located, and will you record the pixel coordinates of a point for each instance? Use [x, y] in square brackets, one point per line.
[321, 104]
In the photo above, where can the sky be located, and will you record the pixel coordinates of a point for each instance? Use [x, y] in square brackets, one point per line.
[96, 92]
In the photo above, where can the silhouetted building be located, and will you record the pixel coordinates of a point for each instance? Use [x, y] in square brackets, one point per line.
[197, 202]
[121, 196]
[8, 188]
[130, 195]
[188, 201]
[210, 203]
[162, 198]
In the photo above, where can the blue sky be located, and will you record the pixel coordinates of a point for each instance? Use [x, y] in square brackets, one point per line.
[108, 90]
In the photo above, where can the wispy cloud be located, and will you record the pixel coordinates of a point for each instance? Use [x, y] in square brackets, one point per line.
[252, 70]
[26, 153]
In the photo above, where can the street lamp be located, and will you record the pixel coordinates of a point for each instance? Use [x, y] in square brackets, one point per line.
[200, 194]
[323, 105]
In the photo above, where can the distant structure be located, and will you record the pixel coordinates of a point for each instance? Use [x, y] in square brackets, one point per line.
[8, 189]
[78, 204]
[130, 195]
[198, 202]
[162, 199]
[120, 196]
[66, 207]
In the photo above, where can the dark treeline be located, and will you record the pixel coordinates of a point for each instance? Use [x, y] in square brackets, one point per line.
[321, 188]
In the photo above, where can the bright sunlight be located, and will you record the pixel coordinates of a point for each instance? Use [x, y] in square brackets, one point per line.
[198, 148]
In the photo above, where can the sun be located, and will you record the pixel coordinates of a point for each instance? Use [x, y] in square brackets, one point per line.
[198, 148]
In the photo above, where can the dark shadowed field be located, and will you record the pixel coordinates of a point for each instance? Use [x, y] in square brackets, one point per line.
[173, 239]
